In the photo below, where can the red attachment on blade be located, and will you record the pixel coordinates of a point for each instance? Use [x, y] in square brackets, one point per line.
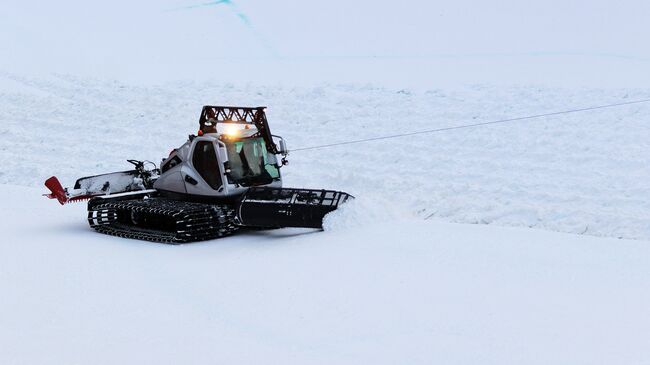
[57, 190]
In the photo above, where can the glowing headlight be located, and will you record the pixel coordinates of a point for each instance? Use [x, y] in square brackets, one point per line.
[231, 130]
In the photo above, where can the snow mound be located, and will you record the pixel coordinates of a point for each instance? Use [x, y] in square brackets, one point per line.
[364, 211]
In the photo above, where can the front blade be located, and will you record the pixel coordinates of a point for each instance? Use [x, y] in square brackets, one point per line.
[287, 207]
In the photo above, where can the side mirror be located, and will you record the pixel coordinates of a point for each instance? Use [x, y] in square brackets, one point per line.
[283, 147]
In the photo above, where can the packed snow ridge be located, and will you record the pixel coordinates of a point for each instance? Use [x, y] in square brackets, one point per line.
[582, 173]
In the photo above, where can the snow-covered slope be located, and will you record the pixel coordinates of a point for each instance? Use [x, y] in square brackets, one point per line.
[579, 173]
[407, 291]
[390, 280]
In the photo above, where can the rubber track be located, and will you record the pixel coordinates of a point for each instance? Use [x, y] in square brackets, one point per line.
[194, 221]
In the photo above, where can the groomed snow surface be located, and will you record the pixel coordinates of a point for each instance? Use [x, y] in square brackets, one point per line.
[400, 292]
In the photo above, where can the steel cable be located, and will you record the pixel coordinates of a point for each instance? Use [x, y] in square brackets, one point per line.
[500, 121]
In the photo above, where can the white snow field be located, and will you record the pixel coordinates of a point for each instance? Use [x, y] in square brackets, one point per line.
[408, 43]
[520, 243]
[398, 292]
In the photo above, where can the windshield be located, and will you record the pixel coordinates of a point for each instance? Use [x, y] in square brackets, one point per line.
[250, 162]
